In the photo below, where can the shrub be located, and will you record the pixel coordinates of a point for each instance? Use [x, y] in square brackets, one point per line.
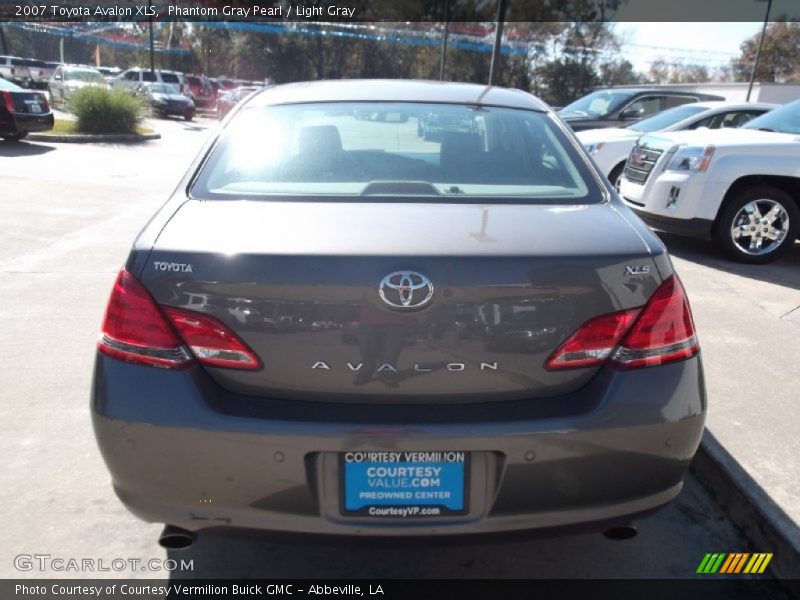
[100, 110]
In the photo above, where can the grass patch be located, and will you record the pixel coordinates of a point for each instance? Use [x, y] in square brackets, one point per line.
[100, 110]
[69, 127]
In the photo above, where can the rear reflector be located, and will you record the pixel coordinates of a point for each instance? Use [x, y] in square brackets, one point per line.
[212, 342]
[136, 329]
[661, 332]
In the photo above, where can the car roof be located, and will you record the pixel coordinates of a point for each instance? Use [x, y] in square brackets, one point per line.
[729, 105]
[650, 90]
[396, 90]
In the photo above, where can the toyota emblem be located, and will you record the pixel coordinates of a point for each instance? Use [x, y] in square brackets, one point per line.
[406, 289]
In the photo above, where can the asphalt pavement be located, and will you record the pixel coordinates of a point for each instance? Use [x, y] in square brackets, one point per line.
[70, 213]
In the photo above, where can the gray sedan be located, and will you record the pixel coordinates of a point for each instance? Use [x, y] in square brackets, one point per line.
[521, 352]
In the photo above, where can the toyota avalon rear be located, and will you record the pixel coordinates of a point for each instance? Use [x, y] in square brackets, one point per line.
[340, 325]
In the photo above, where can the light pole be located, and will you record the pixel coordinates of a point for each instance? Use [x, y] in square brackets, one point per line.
[152, 56]
[498, 41]
[444, 41]
[758, 51]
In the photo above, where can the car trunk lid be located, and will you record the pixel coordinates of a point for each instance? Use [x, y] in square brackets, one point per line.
[300, 283]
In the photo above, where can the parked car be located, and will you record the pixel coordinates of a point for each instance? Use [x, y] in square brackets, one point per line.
[22, 111]
[131, 79]
[231, 98]
[431, 124]
[739, 187]
[14, 69]
[201, 91]
[166, 100]
[38, 72]
[296, 202]
[617, 107]
[50, 68]
[69, 79]
[109, 72]
[610, 146]
[223, 83]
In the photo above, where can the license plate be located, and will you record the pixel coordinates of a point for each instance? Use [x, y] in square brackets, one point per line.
[404, 484]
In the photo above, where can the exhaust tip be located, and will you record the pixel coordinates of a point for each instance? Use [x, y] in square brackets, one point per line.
[175, 538]
[621, 532]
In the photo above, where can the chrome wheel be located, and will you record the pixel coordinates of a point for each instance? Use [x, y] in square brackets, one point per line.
[760, 227]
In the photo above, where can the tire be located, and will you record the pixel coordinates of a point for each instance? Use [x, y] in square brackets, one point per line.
[746, 213]
[615, 175]
[188, 115]
[15, 137]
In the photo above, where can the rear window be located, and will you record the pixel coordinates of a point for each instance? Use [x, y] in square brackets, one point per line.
[446, 151]
[667, 118]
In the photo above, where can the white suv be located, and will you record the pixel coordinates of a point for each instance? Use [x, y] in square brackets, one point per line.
[740, 187]
[131, 79]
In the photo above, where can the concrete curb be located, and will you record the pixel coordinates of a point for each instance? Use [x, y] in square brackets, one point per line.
[84, 138]
[749, 507]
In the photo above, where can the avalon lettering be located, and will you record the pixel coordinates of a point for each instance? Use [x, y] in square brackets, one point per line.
[452, 367]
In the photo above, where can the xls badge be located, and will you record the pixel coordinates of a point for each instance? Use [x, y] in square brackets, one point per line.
[406, 290]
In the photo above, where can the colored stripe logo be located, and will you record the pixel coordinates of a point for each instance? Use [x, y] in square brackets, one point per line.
[734, 563]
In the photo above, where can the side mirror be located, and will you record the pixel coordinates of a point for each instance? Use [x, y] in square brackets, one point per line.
[631, 113]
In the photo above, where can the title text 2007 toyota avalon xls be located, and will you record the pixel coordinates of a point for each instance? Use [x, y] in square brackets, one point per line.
[337, 326]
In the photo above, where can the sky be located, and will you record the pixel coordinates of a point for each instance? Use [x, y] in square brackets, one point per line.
[706, 43]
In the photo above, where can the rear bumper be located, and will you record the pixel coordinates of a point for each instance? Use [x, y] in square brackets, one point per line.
[20, 122]
[173, 458]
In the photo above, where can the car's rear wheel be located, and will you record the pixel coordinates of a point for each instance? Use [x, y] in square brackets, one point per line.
[758, 225]
[15, 137]
[188, 115]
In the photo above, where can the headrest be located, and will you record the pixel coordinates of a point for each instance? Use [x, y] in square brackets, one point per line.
[319, 139]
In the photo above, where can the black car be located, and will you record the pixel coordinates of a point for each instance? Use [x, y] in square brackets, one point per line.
[618, 107]
[22, 111]
[165, 99]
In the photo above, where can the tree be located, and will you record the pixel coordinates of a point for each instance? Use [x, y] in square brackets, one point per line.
[618, 72]
[664, 73]
[780, 54]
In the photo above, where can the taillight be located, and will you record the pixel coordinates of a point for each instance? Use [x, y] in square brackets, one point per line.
[211, 341]
[43, 102]
[8, 101]
[661, 332]
[593, 342]
[137, 329]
